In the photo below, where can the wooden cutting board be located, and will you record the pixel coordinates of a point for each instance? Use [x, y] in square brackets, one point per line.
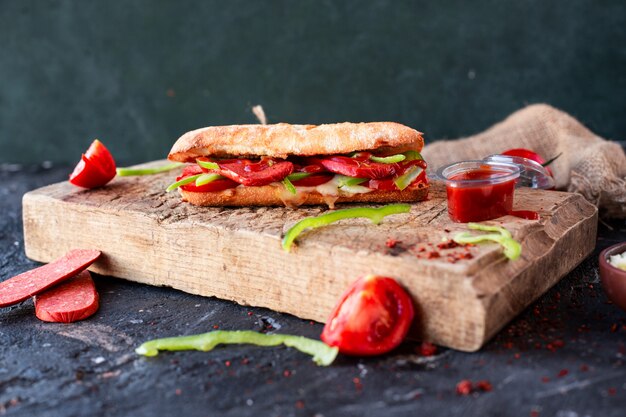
[152, 237]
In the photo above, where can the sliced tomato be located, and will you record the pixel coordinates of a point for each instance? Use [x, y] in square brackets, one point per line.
[358, 168]
[217, 185]
[371, 318]
[314, 180]
[528, 154]
[95, 168]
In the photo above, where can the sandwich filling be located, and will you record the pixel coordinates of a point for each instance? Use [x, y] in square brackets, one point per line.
[359, 172]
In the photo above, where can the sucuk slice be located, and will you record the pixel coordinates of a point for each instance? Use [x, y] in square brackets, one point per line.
[25, 285]
[72, 300]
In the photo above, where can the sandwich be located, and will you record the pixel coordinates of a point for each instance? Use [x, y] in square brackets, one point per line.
[292, 165]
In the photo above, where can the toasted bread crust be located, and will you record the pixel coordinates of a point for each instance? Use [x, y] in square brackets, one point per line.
[281, 140]
[270, 195]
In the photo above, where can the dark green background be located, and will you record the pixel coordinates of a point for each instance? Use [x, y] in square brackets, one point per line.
[137, 74]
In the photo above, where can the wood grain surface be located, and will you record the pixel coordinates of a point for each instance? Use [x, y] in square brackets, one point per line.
[152, 237]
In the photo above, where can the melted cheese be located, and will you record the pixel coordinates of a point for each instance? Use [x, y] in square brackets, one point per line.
[330, 191]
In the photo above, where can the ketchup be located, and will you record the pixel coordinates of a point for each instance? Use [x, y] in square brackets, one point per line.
[481, 193]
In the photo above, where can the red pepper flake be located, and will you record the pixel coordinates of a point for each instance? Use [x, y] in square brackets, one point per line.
[545, 379]
[464, 387]
[517, 356]
[534, 413]
[286, 373]
[357, 383]
[249, 313]
[427, 349]
[300, 404]
[245, 361]
[584, 368]
[484, 386]
[448, 244]
[391, 243]
[562, 373]
[178, 391]
[508, 345]
[227, 363]
[215, 326]
[611, 391]
[446, 230]
[433, 255]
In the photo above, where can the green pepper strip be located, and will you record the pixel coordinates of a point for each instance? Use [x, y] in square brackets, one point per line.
[296, 176]
[413, 156]
[323, 354]
[374, 214]
[204, 179]
[288, 185]
[408, 177]
[127, 172]
[392, 159]
[208, 165]
[345, 181]
[512, 248]
[184, 181]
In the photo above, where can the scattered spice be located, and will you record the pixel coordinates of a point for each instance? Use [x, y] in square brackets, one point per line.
[427, 349]
[178, 391]
[545, 379]
[286, 373]
[464, 387]
[612, 391]
[227, 363]
[562, 373]
[357, 383]
[300, 404]
[584, 368]
[484, 386]
[391, 243]
[534, 413]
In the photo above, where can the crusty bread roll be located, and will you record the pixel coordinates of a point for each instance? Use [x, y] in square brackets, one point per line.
[270, 195]
[281, 140]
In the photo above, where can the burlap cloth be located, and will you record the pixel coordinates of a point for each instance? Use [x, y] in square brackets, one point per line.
[589, 165]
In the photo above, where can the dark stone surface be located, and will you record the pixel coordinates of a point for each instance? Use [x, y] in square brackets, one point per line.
[139, 75]
[564, 356]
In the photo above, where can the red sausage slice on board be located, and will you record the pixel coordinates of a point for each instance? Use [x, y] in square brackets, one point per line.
[23, 286]
[72, 300]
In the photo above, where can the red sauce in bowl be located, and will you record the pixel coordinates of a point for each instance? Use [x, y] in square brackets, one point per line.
[479, 191]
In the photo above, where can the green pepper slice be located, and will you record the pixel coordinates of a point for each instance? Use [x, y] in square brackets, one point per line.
[345, 181]
[323, 354]
[184, 181]
[406, 179]
[204, 179]
[208, 165]
[391, 159]
[374, 214]
[128, 172]
[512, 248]
[288, 185]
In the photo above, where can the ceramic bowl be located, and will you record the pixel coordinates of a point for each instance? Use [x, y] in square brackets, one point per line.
[613, 279]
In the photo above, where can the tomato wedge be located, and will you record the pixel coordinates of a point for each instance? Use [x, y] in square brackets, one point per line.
[217, 185]
[528, 154]
[371, 318]
[95, 168]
